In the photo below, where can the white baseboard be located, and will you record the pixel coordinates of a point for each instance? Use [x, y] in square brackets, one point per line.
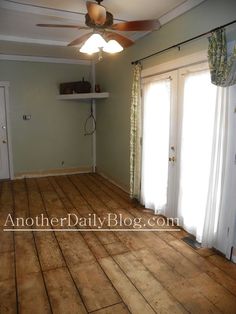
[52, 172]
[113, 181]
[233, 258]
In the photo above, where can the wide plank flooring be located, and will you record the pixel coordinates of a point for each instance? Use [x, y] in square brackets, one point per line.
[100, 272]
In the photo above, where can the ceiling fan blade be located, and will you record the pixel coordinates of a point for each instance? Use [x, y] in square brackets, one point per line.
[80, 40]
[122, 40]
[62, 26]
[96, 12]
[145, 25]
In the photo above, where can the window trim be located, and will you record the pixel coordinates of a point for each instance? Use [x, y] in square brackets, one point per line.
[181, 62]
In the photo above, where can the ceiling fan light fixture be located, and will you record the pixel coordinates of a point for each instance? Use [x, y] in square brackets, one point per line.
[112, 46]
[88, 49]
[93, 44]
[101, 21]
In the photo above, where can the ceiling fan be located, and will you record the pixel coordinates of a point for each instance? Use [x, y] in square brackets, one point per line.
[101, 21]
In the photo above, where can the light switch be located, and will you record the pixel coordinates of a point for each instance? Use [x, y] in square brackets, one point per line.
[26, 117]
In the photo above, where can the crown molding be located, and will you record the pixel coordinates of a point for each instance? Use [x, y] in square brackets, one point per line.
[40, 10]
[43, 59]
[179, 10]
[33, 40]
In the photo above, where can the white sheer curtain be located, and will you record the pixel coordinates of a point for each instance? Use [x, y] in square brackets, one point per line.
[217, 171]
[156, 131]
[199, 98]
[202, 145]
[202, 156]
[225, 237]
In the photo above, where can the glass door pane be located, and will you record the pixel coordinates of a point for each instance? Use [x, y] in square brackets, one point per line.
[199, 104]
[155, 150]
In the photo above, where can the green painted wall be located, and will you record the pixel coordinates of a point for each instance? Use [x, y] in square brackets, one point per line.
[115, 75]
[55, 132]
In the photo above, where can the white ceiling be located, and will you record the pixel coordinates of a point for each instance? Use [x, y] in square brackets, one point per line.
[20, 35]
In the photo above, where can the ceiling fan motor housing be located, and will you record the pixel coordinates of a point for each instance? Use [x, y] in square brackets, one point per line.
[90, 23]
[101, 21]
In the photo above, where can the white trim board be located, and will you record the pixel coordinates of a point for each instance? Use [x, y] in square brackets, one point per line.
[94, 136]
[233, 258]
[52, 172]
[40, 10]
[79, 16]
[175, 64]
[166, 18]
[37, 41]
[179, 10]
[43, 59]
[6, 86]
[83, 96]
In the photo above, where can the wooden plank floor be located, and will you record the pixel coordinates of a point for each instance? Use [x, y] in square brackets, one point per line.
[101, 272]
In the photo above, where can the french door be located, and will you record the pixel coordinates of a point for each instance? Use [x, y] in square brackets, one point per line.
[178, 138]
[158, 188]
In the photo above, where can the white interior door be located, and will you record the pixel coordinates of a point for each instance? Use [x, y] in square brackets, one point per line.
[4, 153]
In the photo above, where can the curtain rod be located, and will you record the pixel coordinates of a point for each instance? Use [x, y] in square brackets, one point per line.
[183, 42]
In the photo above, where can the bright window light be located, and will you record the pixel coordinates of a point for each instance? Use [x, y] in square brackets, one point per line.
[155, 154]
[196, 150]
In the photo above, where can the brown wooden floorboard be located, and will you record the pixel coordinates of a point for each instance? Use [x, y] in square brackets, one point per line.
[101, 272]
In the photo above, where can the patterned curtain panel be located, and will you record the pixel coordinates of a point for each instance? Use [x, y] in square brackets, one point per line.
[222, 66]
[135, 134]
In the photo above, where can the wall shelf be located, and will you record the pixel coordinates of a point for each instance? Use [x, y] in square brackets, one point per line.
[83, 96]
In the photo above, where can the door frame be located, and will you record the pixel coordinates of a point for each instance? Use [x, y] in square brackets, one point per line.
[6, 86]
[175, 64]
[174, 69]
[182, 64]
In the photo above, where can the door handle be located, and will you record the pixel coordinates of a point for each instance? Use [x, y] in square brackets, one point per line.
[173, 159]
[3, 127]
[4, 141]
